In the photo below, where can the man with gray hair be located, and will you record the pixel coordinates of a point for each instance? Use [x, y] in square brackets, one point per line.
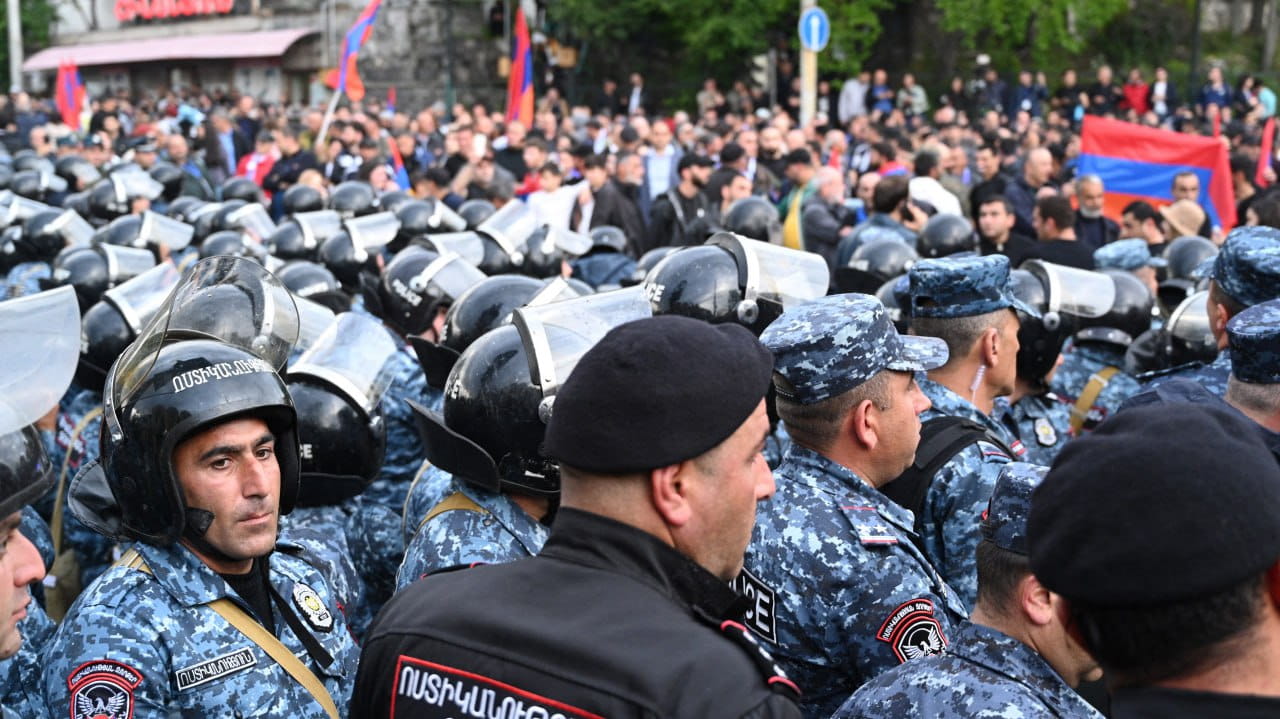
[826, 220]
[1092, 228]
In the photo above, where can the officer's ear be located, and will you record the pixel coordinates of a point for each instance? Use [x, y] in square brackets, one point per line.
[669, 487]
[989, 346]
[862, 424]
[1036, 601]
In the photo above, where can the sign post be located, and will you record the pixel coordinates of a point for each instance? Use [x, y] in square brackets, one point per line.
[815, 33]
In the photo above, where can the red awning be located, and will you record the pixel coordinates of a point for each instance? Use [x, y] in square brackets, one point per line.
[219, 46]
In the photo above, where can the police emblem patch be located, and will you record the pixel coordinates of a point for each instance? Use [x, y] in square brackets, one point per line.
[103, 689]
[1046, 435]
[312, 607]
[913, 631]
[760, 617]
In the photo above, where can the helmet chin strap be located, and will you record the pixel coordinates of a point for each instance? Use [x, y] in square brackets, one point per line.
[198, 522]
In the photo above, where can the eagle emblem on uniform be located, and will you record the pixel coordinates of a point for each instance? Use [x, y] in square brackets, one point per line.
[929, 645]
[102, 701]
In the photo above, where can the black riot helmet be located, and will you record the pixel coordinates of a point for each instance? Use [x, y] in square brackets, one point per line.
[92, 271]
[26, 159]
[302, 198]
[475, 212]
[170, 177]
[489, 433]
[122, 232]
[487, 305]
[647, 262]
[735, 279]
[1188, 332]
[240, 188]
[113, 196]
[184, 208]
[414, 217]
[392, 201]
[416, 285]
[104, 335]
[227, 242]
[6, 176]
[346, 261]
[205, 220]
[36, 184]
[353, 198]
[312, 281]
[1185, 254]
[946, 234]
[549, 247]
[79, 173]
[895, 295]
[1128, 317]
[41, 241]
[1039, 338]
[872, 264]
[607, 238]
[288, 242]
[336, 386]
[78, 202]
[755, 218]
[210, 356]
[222, 217]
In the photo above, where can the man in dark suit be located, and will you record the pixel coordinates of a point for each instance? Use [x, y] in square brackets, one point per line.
[604, 203]
[636, 98]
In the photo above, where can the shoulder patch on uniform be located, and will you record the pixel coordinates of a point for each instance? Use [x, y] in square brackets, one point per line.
[760, 617]
[216, 668]
[1018, 448]
[424, 688]
[990, 450]
[312, 607]
[774, 676]
[912, 631]
[103, 689]
[869, 526]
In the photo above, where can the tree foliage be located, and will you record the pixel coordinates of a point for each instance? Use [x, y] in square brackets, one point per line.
[37, 17]
[685, 41]
[1028, 32]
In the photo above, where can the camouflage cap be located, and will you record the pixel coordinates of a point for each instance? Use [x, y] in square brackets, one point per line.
[963, 287]
[829, 346]
[1005, 521]
[1127, 255]
[1254, 337]
[1248, 267]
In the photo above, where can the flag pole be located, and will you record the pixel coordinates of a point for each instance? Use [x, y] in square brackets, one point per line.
[320, 153]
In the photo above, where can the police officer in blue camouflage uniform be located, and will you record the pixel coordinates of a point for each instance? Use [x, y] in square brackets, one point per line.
[969, 303]
[1092, 379]
[1134, 257]
[839, 585]
[1246, 272]
[30, 383]
[1014, 657]
[208, 614]
[606, 264]
[35, 246]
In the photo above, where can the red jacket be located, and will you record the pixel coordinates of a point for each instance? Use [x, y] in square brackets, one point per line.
[260, 164]
[1135, 98]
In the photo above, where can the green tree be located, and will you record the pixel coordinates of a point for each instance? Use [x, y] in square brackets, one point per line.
[1028, 32]
[684, 41]
[37, 16]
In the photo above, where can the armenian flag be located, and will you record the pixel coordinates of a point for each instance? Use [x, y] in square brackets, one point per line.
[520, 81]
[69, 94]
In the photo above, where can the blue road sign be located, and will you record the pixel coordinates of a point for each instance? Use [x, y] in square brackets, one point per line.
[815, 29]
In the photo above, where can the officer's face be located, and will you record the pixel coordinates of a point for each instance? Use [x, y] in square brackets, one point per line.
[231, 471]
[727, 483]
[1006, 374]
[900, 423]
[20, 565]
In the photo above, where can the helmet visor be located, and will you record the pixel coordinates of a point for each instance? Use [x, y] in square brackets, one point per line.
[136, 183]
[36, 370]
[510, 227]
[140, 298]
[1072, 291]
[466, 245]
[125, 263]
[229, 299]
[253, 220]
[73, 228]
[570, 243]
[450, 274]
[313, 319]
[353, 354]
[444, 219]
[372, 232]
[20, 208]
[162, 231]
[556, 335]
[1190, 321]
[789, 277]
[318, 226]
[556, 290]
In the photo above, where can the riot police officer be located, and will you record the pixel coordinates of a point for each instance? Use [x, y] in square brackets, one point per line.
[208, 613]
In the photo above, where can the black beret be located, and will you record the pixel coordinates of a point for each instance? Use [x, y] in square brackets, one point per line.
[1135, 514]
[656, 392]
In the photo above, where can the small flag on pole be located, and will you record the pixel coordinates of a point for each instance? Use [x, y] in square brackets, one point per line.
[346, 78]
[520, 81]
[69, 95]
[397, 163]
[391, 100]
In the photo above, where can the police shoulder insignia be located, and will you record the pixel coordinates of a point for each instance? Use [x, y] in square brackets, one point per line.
[870, 527]
[1046, 435]
[312, 607]
[775, 677]
[760, 616]
[103, 689]
[912, 631]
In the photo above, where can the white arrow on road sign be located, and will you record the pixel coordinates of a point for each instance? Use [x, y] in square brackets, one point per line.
[815, 29]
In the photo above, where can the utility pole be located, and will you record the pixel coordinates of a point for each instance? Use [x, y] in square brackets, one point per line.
[15, 45]
[808, 74]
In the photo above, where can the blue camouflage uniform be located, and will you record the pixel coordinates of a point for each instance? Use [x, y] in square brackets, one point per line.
[496, 531]
[404, 449]
[1127, 255]
[145, 646]
[322, 532]
[1042, 423]
[80, 408]
[985, 673]
[430, 487]
[24, 279]
[1079, 364]
[1247, 270]
[376, 545]
[34, 528]
[776, 445]
[951, 288]
[837, 583]
[603, 268]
